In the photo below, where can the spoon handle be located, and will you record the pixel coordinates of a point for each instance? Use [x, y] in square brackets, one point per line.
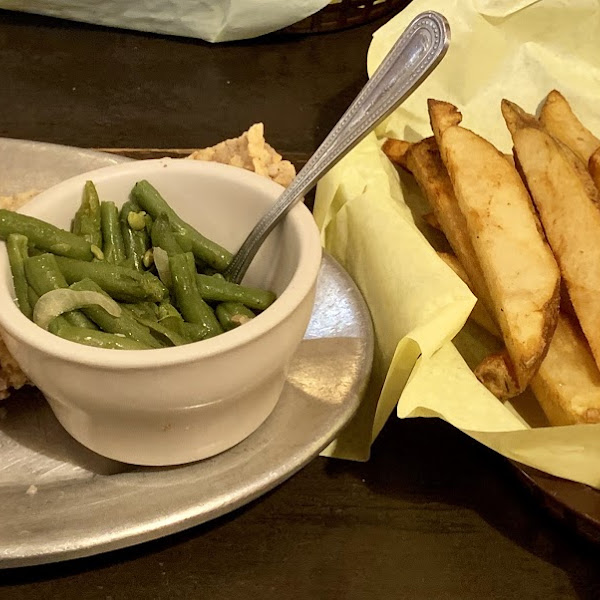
[414, 55]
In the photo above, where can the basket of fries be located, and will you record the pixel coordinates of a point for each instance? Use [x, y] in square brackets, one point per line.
[477, 245]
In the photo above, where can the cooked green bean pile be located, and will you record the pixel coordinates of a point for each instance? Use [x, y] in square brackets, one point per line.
[130, 279]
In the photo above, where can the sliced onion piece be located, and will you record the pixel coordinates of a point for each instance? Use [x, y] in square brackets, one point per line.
[161, 260]
[56, 302]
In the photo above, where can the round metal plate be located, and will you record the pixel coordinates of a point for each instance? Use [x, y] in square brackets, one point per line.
[61, 501]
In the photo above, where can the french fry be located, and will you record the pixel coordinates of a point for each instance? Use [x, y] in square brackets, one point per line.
[432, 221]
[519, 269]
[567, 385]
[396, 150]
[594, 167]
[495, 371]
[425, 163]
[497, 374]
[558, 118]
[510, 158]
[574, 160]
[570, 217]
[582, 171]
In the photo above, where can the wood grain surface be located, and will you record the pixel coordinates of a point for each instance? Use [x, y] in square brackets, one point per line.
[432, 515]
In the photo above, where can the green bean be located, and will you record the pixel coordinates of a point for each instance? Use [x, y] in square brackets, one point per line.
[169, 316]
[233, 314]
[136, 242]
[125, 324]
[185, 243]
[189, 257]
[43, 275]
[16, 246]
[32, 296]
[148, 220]
[195, 332]
[165, 310]
[87, 221]
[76, 224]
[215, 289]
[163, 319]
[191, 305]
[113, 245]
[44, 236]
[171, 336]
[162, 236]
[98, 339]
[121, 283]
[59, 322]
[206, 250]
[143, 310]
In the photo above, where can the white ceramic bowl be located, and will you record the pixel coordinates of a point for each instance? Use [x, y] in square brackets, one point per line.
[175, 405]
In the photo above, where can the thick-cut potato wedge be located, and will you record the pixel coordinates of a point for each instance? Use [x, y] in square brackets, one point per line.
[582, 172]
[510, 158]
[432, 221]
[560, 121]
[594, 167]
[423, 160]
[518, 266]
[497, 374]
[396, 150]
[571, 218]
[515, 117]
[495, 371]
[567, 385]
[442, 116]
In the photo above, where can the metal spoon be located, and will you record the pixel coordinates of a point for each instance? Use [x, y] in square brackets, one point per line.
[412, 58]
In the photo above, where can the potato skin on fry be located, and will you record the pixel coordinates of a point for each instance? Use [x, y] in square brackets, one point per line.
[496, 373]
[425, 163]
[559, 120]
[582, 172]
[567, 385]
[594, 168]
[442, 116]
[432, 221]
[570, 216]
[519, 269]
[396, 151]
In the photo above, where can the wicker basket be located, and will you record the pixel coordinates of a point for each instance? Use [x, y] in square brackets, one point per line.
[340, 14]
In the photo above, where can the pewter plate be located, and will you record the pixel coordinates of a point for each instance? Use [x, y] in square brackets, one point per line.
[61, 501]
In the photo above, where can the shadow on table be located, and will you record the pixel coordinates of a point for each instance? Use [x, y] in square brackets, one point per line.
[426, 461]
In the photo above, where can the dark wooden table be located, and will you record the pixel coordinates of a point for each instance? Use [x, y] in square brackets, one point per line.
[432, 515]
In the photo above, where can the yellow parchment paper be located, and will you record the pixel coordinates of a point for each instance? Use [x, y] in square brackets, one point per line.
[370, 221]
